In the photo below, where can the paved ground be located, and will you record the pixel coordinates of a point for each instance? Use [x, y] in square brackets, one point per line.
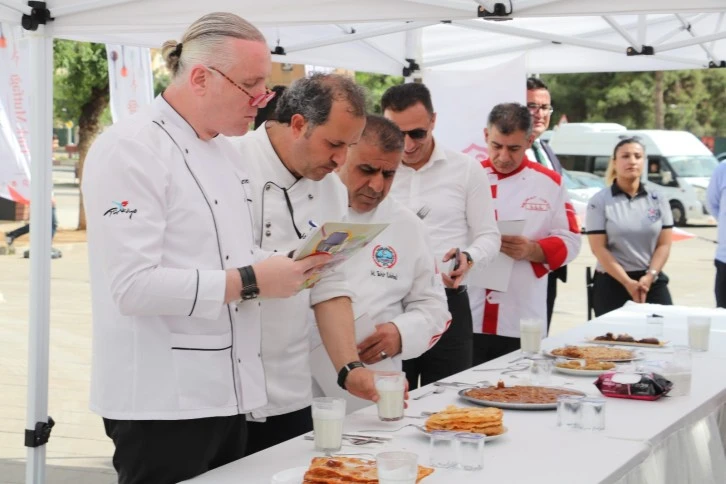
[79, 451]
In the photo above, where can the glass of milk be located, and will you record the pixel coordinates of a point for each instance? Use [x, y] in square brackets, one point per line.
[530, 334]
[699, 331]
[678, 371]
[390, 386]
[328, 415]
[397, 467]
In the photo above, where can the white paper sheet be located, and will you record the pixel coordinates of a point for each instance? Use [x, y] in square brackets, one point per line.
[496, 275]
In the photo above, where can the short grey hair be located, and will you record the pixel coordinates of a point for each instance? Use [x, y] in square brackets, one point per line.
[206, 40]
[383, 133]
[510, 117]
[312, 97]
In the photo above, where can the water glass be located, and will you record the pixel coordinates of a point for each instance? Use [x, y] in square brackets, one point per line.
[593, 413]
[569, 411]
[391, 386]
[654, 323]
[328, 415]
[441, 449]
[470, 451]
[699, 332]
[540, 371]
[678, 371]
[397, 467]
[530, 335]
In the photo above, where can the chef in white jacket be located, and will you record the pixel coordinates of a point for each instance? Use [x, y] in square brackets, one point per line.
[291, 162]
[173, 264]
[400, 303]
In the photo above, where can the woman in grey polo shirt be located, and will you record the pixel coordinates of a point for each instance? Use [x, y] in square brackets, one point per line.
[629, 229]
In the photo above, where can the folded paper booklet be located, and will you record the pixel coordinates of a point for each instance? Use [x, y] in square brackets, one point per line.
[342, 240]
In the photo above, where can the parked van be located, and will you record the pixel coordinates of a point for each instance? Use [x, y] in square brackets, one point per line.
[678, 164]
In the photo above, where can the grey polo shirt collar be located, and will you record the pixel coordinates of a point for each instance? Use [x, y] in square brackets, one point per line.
[615, 190]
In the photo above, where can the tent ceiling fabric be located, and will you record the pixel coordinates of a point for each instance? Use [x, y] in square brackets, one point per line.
[590, 35]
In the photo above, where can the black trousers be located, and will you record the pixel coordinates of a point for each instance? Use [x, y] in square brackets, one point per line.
[609, 295]
[490, 346]
[169, 451]
[552, 278]
[278, 429]
[720, 284]
[452, 353]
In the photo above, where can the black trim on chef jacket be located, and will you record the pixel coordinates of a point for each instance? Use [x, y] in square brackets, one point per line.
[219, 250]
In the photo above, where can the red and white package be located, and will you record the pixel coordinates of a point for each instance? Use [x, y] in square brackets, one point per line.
[638, 386]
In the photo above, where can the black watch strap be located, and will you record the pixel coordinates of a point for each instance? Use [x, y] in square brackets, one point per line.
[343, 373]
[469, 260]
[249, 283]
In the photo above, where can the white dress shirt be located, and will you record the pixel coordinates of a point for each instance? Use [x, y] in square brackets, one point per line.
[167, 214]
[285, 324]
[457, 194]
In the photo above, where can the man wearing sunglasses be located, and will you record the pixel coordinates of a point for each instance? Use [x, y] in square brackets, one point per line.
[291, 160]
[451, 194]
[539, 104]
[173, 264]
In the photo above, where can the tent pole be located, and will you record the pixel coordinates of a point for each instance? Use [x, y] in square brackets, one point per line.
[414, 52]
[642, 29]
[689, 42]
[41, 111]
[369, 45]
[708, 50]
[623, 33]
[16, 5]
[669, 35]
[81, 7]
[358, 36]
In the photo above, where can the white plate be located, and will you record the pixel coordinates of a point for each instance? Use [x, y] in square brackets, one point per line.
[626, 343]
[570, 371]
[636, 356]
[516, 406]
[487, 439]
[294, 475]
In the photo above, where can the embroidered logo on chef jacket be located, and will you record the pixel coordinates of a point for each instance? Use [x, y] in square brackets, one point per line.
[384, 256]
[536, 204]
[120, 208]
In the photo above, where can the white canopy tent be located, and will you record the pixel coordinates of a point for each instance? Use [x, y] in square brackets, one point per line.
[374, 35]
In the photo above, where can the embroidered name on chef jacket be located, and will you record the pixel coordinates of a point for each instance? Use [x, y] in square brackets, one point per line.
[120, 208]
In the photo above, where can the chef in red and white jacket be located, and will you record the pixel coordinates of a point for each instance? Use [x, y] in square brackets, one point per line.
[521, 190]
[399, 299]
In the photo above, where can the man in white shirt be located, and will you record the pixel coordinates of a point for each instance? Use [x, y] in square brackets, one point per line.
[523, 190]
[176, 354]
[539, 103]
[399, 297]
[448, 191]
[290, 161]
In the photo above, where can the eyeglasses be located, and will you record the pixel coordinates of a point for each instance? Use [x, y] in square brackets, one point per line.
[416, 134]
[255, 101]
[534, 108]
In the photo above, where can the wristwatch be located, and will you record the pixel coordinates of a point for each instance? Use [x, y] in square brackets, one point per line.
[249, 283]
[653, 273]
[469, 260]
[343, 373]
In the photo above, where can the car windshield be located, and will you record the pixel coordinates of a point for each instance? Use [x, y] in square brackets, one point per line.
[570, 184]
[693, 165]
[589, 180]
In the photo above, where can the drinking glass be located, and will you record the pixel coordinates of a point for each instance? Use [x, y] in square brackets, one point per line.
[390, 386]
[569, 411]
[328, 415]
[441, 449]
[593, 413]
[470, 451]
[699, 331]
[397, 467]
[530, 335]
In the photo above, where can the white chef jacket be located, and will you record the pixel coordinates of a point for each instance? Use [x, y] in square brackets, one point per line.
[167, 214]
[394, 279]
[457, 193]
[285, 324]
[537, 195]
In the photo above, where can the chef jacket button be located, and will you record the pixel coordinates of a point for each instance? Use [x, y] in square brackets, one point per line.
[268, 224]
[236, 309]
[186, 151]
[226, 257]
[259, 355]
[215, 202]
[239, 360]
[310, 196]
[162, 122]
[267, 187]
[268, 233]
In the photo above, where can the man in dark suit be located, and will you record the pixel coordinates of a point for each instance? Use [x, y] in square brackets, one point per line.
[539, 104]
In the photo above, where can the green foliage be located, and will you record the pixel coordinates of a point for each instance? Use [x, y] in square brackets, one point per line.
[161, 80]
[376, 84]
[81, 71]
[694, 100]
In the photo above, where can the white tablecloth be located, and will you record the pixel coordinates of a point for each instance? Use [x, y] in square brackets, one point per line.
[675, 440]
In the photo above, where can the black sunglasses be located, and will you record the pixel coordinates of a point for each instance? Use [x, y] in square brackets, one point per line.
[416, 134]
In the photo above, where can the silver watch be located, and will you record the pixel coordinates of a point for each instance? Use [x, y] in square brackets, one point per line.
[653, 273]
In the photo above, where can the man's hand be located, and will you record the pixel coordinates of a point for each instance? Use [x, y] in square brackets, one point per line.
[280, 276]
[385, 339]
[454, 278]
[360, 383]
[517, 247]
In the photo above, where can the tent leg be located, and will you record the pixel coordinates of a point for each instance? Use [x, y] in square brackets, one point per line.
[41, 128]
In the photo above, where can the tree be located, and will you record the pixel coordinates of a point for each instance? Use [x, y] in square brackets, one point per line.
[81, 94]
[376, 84]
